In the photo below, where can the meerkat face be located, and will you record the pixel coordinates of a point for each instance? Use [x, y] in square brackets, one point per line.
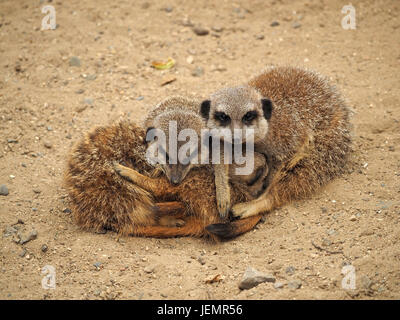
[238, 108]
[177, 143]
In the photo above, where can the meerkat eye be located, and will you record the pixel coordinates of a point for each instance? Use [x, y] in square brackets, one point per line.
[222, 117]
[167, 158]
[249, 116]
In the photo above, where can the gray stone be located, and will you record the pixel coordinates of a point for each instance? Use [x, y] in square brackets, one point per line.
[74, 62]
[252, 278]
[23, 253]
[296, 25]
[91, 77]
[149, 269]
[278, 285]
[47, 144]
[200, 31]
[274, 24]
[31, 236]
[217, 28]
[3, 190]
[88, 101]
[198, 72]
[168, 9]
[290, 270]
[366, 283]
[9, 231]
[295, 284]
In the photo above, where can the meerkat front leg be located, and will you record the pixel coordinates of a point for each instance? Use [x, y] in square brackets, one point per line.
[156, 186]
[248, 209]
[222, 189]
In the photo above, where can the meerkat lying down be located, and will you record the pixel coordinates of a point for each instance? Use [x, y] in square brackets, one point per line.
[150, 205]
[307, 136]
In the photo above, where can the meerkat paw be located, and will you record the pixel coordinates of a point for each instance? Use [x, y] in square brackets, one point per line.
[251, 208]
[168, 221]
[223, 205]
[123, 171]
[243, 210]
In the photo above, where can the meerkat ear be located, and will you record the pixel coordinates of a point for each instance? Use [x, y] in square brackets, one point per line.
[148, 129]
[267, 108]
[205, 109]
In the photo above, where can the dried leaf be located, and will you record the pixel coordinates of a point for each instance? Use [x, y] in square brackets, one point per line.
[214, 279]
[166, 80]
[163, 65]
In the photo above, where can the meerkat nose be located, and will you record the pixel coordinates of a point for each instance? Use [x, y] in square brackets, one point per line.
[175, 181]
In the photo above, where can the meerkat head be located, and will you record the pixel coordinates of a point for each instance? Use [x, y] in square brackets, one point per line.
[238, 108]
[177, 141]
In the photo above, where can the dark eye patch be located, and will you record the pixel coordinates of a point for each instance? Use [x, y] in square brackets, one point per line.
[249, 117]
[222, 117]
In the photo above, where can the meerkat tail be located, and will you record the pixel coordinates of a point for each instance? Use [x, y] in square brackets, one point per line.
[233, 229]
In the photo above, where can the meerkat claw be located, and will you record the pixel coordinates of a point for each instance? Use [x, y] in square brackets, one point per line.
[223, 208]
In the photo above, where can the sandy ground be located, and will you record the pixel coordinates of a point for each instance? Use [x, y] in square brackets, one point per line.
[46, 104]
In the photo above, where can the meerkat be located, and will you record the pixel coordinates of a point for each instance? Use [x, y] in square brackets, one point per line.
[190, 183]
[102, 199]
[307, 136]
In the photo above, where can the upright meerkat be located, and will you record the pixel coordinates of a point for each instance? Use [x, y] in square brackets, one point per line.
[307, 136]
[102, 199]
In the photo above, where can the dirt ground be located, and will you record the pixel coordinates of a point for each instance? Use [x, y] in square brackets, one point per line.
[47, 102]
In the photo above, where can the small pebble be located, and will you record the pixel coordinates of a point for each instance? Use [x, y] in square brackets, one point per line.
[290, 270]
[74, 62]
[88, 101]
[217, 28]
[198, 72]
[31, 236]
[168, 9]
[48, 145]
[200, 31]
[278, 285]
[149, 269]
[296, 25]
[3, 190]
[23, 253]
[252, 278]
[274, 24]
[295, 284]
